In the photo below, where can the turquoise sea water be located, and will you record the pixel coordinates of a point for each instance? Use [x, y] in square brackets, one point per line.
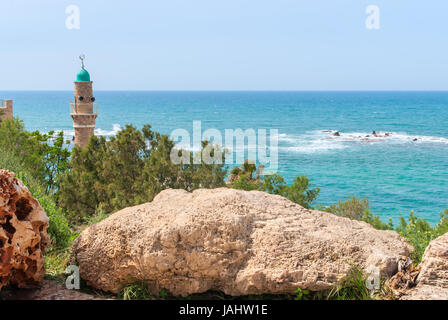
[396, 173]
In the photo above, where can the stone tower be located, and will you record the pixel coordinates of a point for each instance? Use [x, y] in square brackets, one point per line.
[6, 111]
[83, 110]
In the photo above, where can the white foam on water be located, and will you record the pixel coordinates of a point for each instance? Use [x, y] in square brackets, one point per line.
[317, 141]
[385, 137]
[115, 129]
[310, 142]
[68, 134]
[320, 141]
[98, 131]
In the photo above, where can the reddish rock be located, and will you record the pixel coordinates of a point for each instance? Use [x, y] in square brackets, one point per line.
[23, 234]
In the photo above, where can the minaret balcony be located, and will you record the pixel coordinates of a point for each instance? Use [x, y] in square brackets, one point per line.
[75, 110]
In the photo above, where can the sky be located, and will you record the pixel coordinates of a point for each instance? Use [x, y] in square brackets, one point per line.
[225, 45]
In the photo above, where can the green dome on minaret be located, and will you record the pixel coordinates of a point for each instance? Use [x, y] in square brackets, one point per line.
[83, 75]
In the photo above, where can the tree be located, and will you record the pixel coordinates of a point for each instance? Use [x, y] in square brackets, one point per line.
[358, 209]
[24, 153]
[129, 169]
[15, 141]
[299, 191]
[420, 233]
[55, 158]
[83, 188]
[244, 179]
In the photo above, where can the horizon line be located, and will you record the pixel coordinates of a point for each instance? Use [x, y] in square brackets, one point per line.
[225, 90]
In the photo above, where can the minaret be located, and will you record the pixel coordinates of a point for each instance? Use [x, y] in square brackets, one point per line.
[83, 110]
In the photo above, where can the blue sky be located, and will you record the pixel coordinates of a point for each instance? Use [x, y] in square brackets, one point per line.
[225, 45]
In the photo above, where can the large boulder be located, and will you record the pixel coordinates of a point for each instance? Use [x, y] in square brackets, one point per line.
[233, 241]
[23, 234]
[432, 282]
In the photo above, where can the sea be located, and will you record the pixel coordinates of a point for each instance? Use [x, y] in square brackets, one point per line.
[403, 168]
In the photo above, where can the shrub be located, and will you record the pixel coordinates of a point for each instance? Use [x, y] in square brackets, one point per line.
[129, 169]
[54, 156]
[19, 145]
[59, 229]
[23, 153]
[299, 191]
[136, 291]
[358, 209]
[420, 233]
[352, 287]
[56, 261]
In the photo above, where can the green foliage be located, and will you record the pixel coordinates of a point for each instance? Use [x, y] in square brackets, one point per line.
[82, 187]
[352, 287]
[99, 215]
[302, 294]
[243, 178]
[20, 145]
[26, 160]
[245, 182]
[129, 169]
[136, 291]
[42, 154]
[56, 262]
[275, 184]
[193, 175]
[59, 230]
[358, 209]
[164, 294]
[420, 233]
[442, 227]
[299, 191]
[55, 157]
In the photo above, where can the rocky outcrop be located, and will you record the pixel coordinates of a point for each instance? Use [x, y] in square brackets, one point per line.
[23, 234]
[228, 240]
[432, 281]
[405, 278]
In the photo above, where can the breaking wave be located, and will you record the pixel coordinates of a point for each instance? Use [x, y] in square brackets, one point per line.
[330, 140]
[98, 132]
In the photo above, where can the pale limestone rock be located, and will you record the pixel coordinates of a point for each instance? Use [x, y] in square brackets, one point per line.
[432, 282]
[23, 234]
[228, 240]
